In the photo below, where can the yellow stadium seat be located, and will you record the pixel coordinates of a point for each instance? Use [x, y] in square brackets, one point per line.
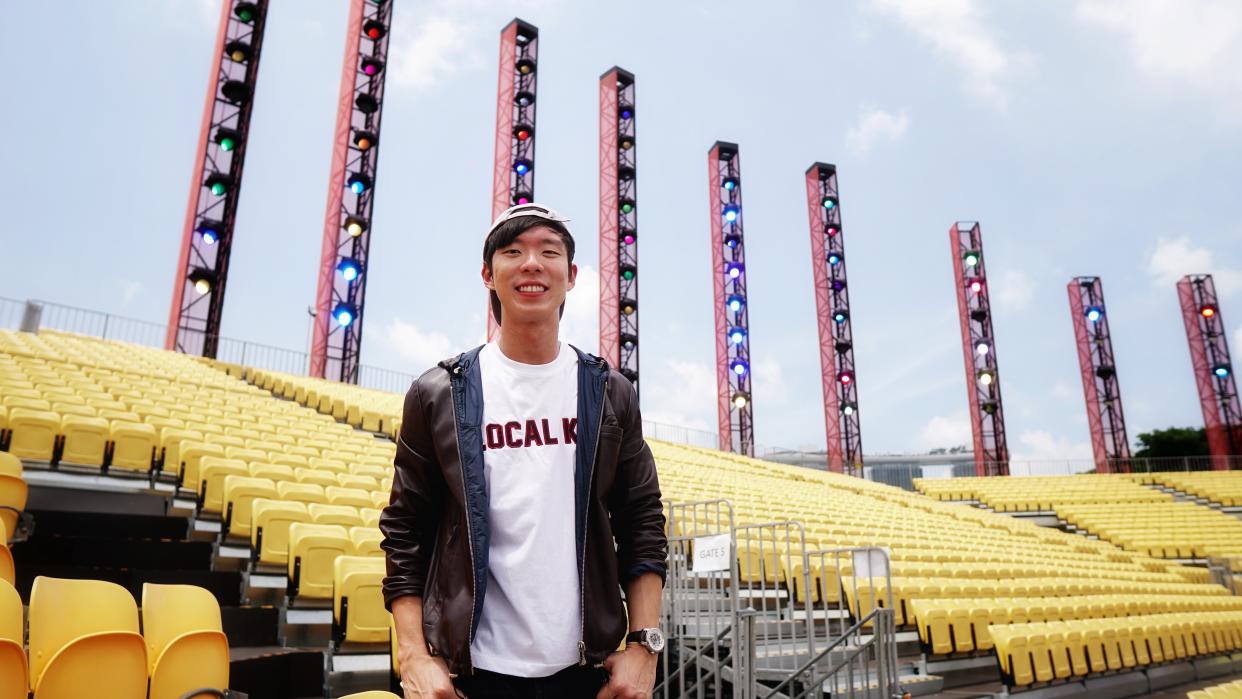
[310, 475]
[366, 541]
[239, 495]
[312, 549]
[186, 645]
[343, 515]
[292, 460]
[82, 632]
[269, 530]
[358, 613]
[1012, 655]
[381, 497]
[355, 497]
[10, 465]
[245, 454]
[8, 572]
[63, 409]
[85, 439]
[134, 446]
[14, 683]
[370, 516]
[1037, 646]
[301, 492]
[276, 472]
[373, 694]
[33, 433]
[171, 441]
[13, 494]
[15, 401]
[211, 475]
[353, 480]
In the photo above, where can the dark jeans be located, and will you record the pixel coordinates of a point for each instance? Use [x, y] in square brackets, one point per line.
[574, 682]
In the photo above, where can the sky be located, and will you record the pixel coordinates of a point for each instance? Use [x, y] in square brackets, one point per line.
[1088, 137]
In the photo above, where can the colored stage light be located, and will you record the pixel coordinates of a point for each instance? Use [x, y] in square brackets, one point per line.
[523, 132]
[344, 315]
[201, 278]
[732, 240]
[372, 66]
[522, 167]
[245, 11]
[988, 406]
[525, 66]
[628, 237]
[834, 258]
[627, 111]
[627, 143]
[227, 139]
[1094, 313]
[982, 348]
[976, 285]
[522, 38]
[627, 206]
[848, 408]
[355, 226]
[365, 140]
[237, 51]
[628, 272]
[739, 367]
[971, 258]
[358, 183]
[831, 230]
[374, 29]
[235, 91]
[740, 400]
[202, 286]
[348, 269]
[845, 377]
[209, 231]
[986, 378]
[735, 303]
[366, 103]
[1207, 311]
[628, 306]
[730, 213]
[838, 284]
[737, 335]
[524, 99]
[840, 317]
[628, 341]
[730, 183]
[522, 198]
[1221, 371]
[734, 270]
[218, 183]
[829, 202]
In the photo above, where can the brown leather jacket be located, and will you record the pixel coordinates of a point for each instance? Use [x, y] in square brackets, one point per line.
[436, 524]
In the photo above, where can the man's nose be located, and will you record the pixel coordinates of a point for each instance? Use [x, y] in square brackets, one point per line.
[532, 261]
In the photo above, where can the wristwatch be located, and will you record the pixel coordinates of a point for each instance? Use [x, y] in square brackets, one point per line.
[652, 639]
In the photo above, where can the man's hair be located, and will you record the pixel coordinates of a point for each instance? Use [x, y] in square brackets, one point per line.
[508, 232]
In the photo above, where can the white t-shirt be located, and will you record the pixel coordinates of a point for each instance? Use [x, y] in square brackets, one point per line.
[530, 624]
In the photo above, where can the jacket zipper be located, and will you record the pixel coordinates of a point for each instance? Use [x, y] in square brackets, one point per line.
[582, 659]
[469, 533]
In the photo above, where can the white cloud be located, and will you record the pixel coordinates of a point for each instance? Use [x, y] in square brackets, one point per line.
[419, 350]
[1013, 289]
[874, 126]
[1174, 259]
[427, 50]
[956, 30]
[1039, 452]
[1062, 390]
[130, 290]
[946, 431]
[1178, 44]
[580, 324]
[769, 383]
[682, 393]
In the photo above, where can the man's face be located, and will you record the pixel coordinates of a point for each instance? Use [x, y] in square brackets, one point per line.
[531, 276]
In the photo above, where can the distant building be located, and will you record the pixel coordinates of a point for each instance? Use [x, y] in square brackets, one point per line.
[892, 469]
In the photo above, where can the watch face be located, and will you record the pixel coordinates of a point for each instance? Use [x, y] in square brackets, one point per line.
[655, 640]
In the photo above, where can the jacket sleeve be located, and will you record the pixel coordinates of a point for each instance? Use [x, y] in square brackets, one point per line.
[410, 521]
[634, 503]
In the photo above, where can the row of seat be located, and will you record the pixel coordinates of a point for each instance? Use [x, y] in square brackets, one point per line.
[1221, 487]
[1039, 493]
[1043, 652]
[1166, 529]
[85, 639]
[367, 409]
[960, 625]
[1224, 690]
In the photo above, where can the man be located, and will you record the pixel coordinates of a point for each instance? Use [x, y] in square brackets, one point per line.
[524, 500]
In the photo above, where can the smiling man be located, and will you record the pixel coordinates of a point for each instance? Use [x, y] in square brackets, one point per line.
[524, 501]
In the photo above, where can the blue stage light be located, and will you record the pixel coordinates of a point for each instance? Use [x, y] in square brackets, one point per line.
[348, 269]
[344, 315]
[840, 316]
[730, 183]
[737, 335]
[1094, 314]
[735, 303]
[730, 213]
[521, 167]
[739, 367]
[834, 259]
[734, 270]
[1221, 371]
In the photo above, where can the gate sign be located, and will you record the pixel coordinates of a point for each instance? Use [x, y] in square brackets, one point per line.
[871, 563]
[711, 553]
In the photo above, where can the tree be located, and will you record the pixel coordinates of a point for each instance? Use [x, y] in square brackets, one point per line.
[1174, 441]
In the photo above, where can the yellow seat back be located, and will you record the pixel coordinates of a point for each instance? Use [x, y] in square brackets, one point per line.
[186, 645]
[86, 630]
[358, 590]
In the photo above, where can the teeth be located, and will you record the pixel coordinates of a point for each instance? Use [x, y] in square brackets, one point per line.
[530, 288]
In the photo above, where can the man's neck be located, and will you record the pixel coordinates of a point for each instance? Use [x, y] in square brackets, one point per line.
[529, 343]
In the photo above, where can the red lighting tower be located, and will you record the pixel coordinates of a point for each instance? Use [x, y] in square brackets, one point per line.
[1209, 355]
[207, 234]
[734, 404]
[832, 305]
[513, 174]
[618, 224]
[987, 421]
[1099, 375]
[340, 300]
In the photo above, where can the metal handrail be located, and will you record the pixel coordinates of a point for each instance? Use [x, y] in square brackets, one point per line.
[851, 633]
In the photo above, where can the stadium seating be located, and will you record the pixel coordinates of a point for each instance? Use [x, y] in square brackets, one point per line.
[1160, 529]
[186, 645]
[1221, 487]
[269, 531]
[358, 613]
[14, 684]
[1224, 690]
[312, 550]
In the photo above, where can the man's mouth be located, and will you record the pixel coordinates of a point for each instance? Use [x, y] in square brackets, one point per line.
[532, 288]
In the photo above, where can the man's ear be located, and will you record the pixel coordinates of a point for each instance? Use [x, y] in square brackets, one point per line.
[487, 278]
[573, 276]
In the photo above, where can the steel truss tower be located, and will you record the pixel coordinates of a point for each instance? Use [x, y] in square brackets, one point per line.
[207, 234]
[340, 301]
[1109, 445]
[734, 404]
[1209, 355]
[832, 305]
[513, 174]
[987, 421]
[618, 224]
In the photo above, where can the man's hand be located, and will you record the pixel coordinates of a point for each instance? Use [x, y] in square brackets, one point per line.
[631, 674]
[426, 676]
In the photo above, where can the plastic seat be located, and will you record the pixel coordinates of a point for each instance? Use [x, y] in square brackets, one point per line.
[1037, 646]
[343, 515]
[33, 433]
[210, 486]
[353, 480]
[269, 529]
[358, 613]
[13, 494]
[14, 683]
[134, 445]
[239, 495]
[275, 472]
[186, 645]
[84, 641]
[85, 439]
[1012, 655]
[312, 549]
[192, 455]
[307, 474]
[373, 694]
[366, 541]
[10, 465]
[301, 492]
[171, 441]
[355, 497]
